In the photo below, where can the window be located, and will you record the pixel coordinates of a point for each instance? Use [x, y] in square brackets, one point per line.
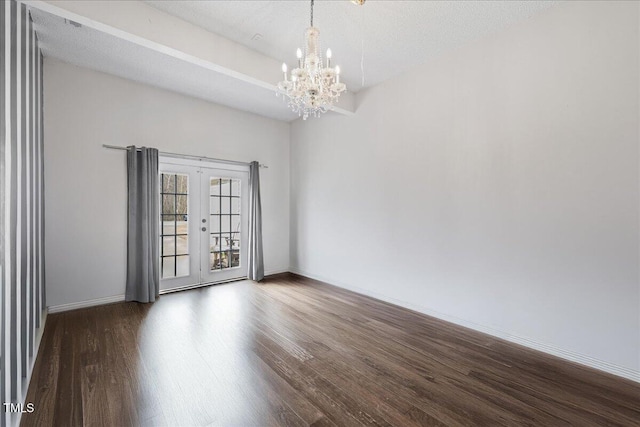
[224, 205]
[175, 225]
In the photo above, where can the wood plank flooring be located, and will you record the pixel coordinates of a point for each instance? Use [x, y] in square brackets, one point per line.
[293, 351]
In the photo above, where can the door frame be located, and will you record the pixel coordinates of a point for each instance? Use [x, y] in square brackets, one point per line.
[173, 283]
[232, 273]
[166, 162]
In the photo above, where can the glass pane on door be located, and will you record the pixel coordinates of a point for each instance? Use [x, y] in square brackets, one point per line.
[225, 214]
[174, 251]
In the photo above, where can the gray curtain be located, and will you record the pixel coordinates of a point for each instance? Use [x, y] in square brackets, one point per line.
[256, 261]
[143, 273]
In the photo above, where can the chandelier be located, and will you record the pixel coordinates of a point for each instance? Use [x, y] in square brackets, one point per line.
[312, 88]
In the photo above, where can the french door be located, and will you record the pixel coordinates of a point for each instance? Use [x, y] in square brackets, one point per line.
[203, 223]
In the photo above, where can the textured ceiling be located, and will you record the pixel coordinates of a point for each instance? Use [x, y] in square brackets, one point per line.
[86, 47]
[396, 35]
[385, 38]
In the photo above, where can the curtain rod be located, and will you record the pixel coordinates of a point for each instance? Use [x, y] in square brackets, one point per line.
[188, 156]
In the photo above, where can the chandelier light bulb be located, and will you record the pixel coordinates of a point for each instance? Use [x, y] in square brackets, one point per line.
[284, 70]
[299, 53]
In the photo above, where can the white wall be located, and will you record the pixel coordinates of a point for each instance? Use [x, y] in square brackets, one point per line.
[496, 187]
[85, 194]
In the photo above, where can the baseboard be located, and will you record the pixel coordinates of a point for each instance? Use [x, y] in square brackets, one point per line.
[276, 271]
[32, 362]
[572, 356]
[119, 298]
[39, 335]
[83, 304]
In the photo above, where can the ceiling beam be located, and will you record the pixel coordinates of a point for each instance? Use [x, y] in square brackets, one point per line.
[146, 26]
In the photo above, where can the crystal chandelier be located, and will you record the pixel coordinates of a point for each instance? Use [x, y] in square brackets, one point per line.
[312, 88]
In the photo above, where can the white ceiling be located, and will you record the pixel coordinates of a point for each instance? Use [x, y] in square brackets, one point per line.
[90, 48]
[396, 35]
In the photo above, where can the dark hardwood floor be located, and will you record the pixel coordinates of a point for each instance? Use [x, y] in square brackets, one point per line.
[292, 351]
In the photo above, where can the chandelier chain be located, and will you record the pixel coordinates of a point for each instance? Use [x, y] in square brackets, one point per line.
[312, 13]
[362, 47]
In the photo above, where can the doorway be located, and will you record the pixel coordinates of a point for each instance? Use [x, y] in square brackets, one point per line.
[203, 223]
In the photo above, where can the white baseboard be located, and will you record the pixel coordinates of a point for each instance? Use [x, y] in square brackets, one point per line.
[277, 271]
[572, 356]
[39, 335]
[82, 304]
[32, 362]
[119, 298]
